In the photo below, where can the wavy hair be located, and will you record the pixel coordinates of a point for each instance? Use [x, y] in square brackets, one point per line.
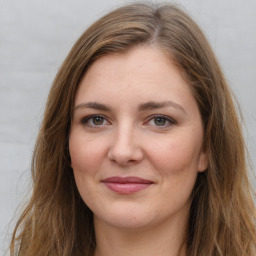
[222, 215]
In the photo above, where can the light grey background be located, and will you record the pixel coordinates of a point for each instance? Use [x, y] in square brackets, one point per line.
[35, 37]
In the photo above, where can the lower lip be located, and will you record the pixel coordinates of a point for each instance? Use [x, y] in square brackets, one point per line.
[127, 188]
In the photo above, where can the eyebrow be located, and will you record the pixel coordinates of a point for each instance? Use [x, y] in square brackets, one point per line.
[151, 105]
[93, 105]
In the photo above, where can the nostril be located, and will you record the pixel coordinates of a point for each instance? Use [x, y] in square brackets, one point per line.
[125, 156]
[125, 148]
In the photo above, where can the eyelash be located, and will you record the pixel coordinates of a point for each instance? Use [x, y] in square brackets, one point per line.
[85, 120]
[170, 121]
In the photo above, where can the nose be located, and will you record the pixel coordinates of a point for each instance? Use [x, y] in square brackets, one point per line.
[125, 148]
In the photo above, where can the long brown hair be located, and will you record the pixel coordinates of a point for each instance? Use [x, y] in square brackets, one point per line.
[222, 216]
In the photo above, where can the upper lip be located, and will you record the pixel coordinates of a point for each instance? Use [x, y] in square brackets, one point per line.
[123, 180]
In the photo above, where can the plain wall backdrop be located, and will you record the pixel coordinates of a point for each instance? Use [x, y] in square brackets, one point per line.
[36, 36]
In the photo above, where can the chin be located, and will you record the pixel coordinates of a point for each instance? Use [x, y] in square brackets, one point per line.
[126, 219]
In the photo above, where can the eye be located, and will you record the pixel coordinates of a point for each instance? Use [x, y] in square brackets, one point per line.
[95, 121]
[161, 121]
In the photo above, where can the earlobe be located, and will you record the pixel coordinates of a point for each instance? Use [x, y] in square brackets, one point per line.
[203, 162]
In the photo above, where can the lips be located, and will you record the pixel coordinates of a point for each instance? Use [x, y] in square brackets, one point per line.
[126, 185]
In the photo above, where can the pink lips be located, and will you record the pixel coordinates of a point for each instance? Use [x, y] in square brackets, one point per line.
[127, 185]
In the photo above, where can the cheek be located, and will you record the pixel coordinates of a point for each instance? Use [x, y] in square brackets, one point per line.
[86, 154]
[175, 161]
[176, 155]
[86, 158]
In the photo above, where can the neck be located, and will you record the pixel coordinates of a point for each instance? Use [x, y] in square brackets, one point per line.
[166, 239]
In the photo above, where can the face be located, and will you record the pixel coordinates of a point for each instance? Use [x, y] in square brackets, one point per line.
[136, 140]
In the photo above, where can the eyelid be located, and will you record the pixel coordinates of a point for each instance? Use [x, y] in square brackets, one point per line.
[85, 120]
[170, 120]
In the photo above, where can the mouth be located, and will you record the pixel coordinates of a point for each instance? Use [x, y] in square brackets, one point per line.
[126, 185]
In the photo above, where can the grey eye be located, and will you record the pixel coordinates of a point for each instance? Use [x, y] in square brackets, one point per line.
[160, 121]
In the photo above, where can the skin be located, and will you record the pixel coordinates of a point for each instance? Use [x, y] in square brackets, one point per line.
[130, 139]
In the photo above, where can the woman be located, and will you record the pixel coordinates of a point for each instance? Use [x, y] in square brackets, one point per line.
[140, 151]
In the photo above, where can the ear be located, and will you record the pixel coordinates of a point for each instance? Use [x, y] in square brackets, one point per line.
[202, 161]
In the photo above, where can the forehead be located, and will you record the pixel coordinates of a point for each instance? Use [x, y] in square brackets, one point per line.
[140, 74]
